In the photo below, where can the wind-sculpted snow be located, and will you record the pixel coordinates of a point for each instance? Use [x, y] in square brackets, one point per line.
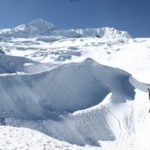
[67, 88]
[46, 101]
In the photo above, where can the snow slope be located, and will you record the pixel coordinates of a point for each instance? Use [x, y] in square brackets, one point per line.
[70, 85]
[27, 139]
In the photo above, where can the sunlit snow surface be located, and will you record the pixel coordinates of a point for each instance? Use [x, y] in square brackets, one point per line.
[85, 87]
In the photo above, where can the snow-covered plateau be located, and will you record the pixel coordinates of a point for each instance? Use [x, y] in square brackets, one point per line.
[73, 89]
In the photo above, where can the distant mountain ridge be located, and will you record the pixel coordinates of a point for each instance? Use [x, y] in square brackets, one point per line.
[41, 27]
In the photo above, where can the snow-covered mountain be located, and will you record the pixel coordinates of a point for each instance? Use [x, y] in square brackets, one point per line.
[41, 27]
[34, 28]
[80, 86]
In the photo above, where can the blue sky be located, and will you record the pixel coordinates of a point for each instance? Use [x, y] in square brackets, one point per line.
[130, 15]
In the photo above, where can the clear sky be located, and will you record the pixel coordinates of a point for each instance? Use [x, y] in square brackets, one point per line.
[130, 15]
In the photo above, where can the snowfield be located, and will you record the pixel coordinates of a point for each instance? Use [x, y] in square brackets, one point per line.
[73, 89]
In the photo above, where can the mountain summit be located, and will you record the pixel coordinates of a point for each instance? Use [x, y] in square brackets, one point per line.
[37, 26]
[41, 23]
